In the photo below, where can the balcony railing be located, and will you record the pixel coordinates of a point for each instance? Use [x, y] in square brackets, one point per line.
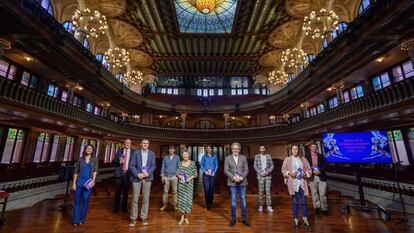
[398, 95]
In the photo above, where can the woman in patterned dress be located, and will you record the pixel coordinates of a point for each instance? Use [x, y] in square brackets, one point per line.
[186, 173]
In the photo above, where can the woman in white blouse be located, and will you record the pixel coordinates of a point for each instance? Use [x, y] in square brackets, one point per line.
[296, 170]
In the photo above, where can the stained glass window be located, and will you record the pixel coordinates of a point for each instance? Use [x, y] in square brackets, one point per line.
[46, 5]
[365, 4]
[192, 19]
[13, 147]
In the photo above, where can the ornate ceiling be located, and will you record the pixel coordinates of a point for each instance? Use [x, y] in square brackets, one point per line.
[159, 45]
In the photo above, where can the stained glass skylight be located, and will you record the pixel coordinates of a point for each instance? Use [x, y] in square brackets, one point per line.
[192, 19]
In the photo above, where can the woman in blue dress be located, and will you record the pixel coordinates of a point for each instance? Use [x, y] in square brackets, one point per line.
[84, 178]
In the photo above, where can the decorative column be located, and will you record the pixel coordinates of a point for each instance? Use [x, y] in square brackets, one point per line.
[183, 116]
[408, 46]
[5, 43]
[226, 120]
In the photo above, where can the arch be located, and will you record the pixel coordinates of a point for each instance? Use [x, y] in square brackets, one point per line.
[204, 124]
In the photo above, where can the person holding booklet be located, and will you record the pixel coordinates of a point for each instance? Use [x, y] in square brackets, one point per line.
[296, 170]
[236, 170]
[169, 178]
[186, 174]
[263, 164]
[141, 169]
[209, 166]
[84, 177]
[318, 180]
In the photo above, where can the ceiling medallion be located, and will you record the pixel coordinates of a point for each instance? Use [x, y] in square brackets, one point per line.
[294, 58]
[134, 77]
[117, 57]
[318, 24]
[206, 6]
[93, 23]
[278, 77]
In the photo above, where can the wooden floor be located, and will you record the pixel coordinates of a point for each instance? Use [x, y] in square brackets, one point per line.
[41, 218]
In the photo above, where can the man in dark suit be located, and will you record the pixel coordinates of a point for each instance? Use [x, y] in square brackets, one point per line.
[318, 179]
[121, 161]
[141, 170]
[236, 170]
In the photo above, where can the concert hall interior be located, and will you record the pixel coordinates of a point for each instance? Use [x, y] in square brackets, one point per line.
[314, 98]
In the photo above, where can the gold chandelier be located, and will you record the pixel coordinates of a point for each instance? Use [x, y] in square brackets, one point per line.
[278, 77]
[134, 77]
[93, 23]
[318, 24]
[206, 6]
[117, 57]
[294, 58]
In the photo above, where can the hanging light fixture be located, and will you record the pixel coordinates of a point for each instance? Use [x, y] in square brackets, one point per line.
[294, 58]
[133, 77]
[278, 77]
[117, 57]
[93, 23]
[206, 6]
[318, 24]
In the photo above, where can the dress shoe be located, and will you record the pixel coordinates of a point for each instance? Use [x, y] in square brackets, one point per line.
[232, 223]
[246, 223]
[306, 225]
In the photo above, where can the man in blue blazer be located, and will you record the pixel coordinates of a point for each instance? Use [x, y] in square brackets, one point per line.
[141, 170]
[122, 178]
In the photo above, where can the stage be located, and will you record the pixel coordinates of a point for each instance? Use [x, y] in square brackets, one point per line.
[42, 218]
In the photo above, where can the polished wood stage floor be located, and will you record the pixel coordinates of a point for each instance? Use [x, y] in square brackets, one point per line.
[42, 218]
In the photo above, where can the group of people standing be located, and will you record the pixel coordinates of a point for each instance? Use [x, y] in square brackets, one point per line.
[137, 167]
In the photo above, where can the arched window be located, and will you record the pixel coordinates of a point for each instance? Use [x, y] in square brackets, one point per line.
[47, 5]
[310, 57]
[174, 124]
[363, 6]
[205, 124]
[101, 58]
[291, 76]
[86, 43]
[341, 27]
[235, 124]
[324, 43]
[68, 25]
[120, 77]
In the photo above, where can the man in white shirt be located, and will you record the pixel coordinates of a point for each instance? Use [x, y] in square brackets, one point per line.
[263, 164]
